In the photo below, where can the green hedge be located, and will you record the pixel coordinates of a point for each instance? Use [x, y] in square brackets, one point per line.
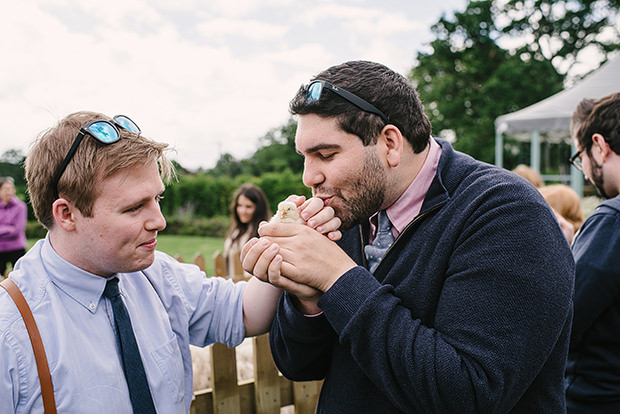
[198, 204]
[206, 227]
[34, 230]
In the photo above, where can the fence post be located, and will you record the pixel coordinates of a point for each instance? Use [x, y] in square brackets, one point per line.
[266, 378]
[226, 398]
[306, 395]
[219, 263]
[199, 260]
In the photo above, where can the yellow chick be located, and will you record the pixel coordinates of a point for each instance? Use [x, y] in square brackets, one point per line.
[287, 213]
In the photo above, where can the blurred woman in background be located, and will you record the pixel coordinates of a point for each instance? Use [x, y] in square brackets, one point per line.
[248, 208]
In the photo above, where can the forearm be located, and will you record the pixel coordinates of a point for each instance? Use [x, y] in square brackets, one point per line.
[6, 230]
[301, 345]
[260, 300]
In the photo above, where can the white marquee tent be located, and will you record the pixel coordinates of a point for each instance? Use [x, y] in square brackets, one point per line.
[551, 116]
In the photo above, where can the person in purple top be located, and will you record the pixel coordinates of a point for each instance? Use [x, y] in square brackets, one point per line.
[468, 310]
[13, 216]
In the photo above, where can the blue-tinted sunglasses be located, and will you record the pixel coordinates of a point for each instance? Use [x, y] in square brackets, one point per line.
[105, 132]
[316, 87]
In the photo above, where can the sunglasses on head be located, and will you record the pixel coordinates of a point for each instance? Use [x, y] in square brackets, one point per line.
[106, 132]
[315, 89]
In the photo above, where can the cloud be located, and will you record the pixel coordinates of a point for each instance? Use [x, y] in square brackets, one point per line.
[251, 30]
[207, 77]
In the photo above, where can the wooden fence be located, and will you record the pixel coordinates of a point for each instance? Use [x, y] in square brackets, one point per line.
[267, 393]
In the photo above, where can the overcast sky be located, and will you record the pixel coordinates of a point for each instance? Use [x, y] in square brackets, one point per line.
[207, 77]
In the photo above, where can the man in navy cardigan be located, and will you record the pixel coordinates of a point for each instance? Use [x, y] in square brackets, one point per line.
[469, 310]
[593, 370]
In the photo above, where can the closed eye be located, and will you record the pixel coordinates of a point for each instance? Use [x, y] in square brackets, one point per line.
[137, 207]
[327, 156]
[134, 208]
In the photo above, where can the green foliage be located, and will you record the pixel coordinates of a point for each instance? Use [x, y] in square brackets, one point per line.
[200, 195]
[196, 226]
[276, 153]
[15, 170]
[468, 80]
[558, 29]
[34, 230]
[278, 186]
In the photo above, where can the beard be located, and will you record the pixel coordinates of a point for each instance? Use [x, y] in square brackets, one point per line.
[362, 195]
[597, 178]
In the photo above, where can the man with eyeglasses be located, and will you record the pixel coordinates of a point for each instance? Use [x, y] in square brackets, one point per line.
[115, 316]
[593, 369]
[459, 302]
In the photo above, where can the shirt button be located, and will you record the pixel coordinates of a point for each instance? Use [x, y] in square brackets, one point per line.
[92, 306]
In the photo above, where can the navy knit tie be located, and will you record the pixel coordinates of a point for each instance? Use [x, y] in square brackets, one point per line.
[139, 391]
[382, 242]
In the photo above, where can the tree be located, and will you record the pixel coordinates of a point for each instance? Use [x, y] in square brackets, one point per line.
[227, 165]
[12, 156]
[558, 30]
[468, 80]
[276, 153]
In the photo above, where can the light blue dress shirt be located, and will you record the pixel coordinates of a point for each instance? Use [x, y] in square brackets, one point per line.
[171, 305]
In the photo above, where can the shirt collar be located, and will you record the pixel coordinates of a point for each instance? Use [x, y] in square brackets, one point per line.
[82, 286]
[409, 204]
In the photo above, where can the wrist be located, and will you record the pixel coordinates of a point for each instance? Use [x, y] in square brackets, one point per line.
[306, 306]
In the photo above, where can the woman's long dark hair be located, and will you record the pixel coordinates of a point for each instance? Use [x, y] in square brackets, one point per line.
[261, 213]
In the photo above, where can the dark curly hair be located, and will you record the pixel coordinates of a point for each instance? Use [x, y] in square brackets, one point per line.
[387, 90]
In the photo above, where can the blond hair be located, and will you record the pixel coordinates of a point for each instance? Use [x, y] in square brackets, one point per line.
[92, 163]
[529, 174]
[564, 200]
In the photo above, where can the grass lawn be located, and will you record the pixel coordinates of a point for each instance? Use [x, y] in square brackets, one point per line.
[185, 247]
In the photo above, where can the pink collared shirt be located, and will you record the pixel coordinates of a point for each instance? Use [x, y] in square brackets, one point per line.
[409, 204]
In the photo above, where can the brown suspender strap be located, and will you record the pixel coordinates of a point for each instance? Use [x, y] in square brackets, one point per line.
[47, 389]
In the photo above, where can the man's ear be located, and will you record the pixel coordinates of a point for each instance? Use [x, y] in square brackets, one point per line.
[394, 142]
[63, 212]
[599, 141]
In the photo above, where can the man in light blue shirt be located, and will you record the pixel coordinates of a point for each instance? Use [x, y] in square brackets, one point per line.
[100, 205]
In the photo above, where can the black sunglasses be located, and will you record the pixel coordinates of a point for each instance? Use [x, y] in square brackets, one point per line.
[575, 159]
[315, 89]
[105, 132]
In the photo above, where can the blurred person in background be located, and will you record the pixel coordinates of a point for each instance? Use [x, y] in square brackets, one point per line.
[566, 203]
[593, 368]
[248, 208]
[13, 216]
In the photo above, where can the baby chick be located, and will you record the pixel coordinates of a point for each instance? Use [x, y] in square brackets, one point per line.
[287, 213]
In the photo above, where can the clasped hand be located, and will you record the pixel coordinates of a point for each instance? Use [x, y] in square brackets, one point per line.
[302, 259]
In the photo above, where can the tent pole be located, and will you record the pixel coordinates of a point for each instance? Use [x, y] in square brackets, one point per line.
[535, 151]
[499, 149]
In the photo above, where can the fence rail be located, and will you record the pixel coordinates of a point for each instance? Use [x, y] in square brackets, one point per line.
[267, 393]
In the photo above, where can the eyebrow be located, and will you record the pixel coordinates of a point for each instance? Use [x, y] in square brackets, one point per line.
[320, 147]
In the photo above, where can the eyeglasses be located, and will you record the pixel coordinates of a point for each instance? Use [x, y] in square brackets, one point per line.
[315, 89]
[105, 132]
[575, 159]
